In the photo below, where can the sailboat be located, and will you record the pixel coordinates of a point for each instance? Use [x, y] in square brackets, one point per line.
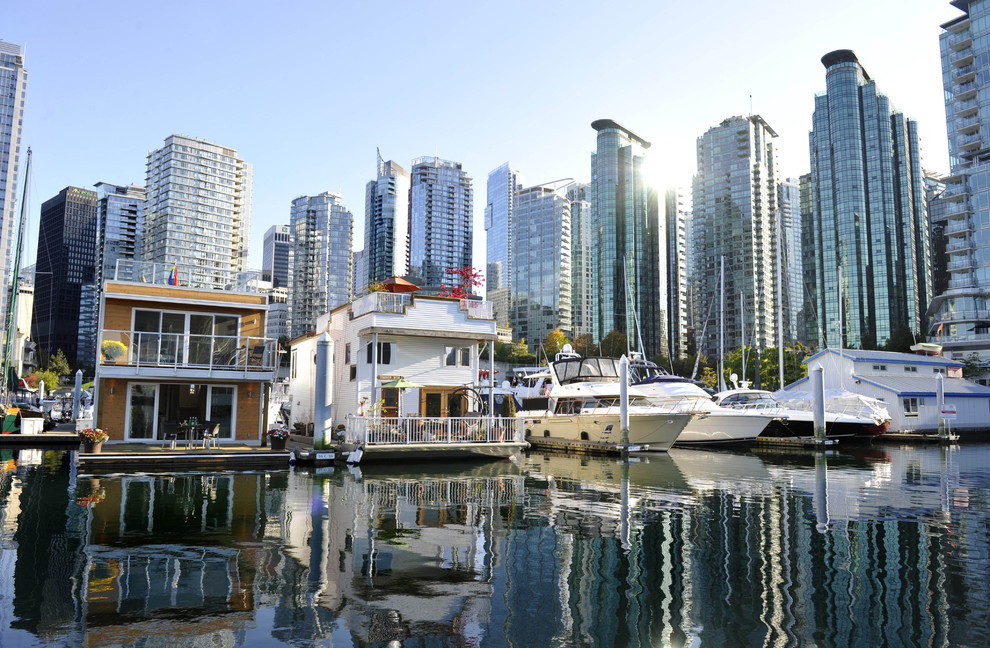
[11, 380]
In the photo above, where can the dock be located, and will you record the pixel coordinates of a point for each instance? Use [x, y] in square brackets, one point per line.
[569, 445]
[140, 457]
[46, 440]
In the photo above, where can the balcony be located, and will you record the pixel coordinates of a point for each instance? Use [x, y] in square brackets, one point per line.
[956, 209]
[967, 108]
[381, 302]
[965, 91]
[477, 309]
[963, 263]
[140, 352]
[959, 244]
[966, 281]
[963, 59]
[961, 40]
[969, 142]
[186, 276]
[956, 226]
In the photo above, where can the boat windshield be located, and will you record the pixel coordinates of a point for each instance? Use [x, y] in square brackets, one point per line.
[573, 370]
[749, 400]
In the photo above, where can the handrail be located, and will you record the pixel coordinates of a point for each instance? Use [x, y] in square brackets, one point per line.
[187, 350]
[384, 430]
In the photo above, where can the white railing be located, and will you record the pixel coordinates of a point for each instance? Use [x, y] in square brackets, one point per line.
[181, 350]
[187, 276]
[425, 430]
[477, 309]
[380, 302]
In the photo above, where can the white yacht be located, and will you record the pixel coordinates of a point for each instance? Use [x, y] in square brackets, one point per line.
[584, 405]
[713, 424]
[796, 418]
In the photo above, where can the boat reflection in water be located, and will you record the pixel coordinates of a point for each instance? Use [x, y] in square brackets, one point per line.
[691, 548]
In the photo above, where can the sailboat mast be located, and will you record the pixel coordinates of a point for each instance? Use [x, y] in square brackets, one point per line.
[841, 326]
[742, 331]
[780, 307]
[721, 324]
[11, 329]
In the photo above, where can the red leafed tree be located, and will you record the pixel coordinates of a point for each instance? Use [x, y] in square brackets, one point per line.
[466, 278]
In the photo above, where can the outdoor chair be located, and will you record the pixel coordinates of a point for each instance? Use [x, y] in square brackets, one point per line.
[211, 434]
[170, 432]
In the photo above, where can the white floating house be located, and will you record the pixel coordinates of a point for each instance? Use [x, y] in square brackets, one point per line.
[907, 383]
[426, 340]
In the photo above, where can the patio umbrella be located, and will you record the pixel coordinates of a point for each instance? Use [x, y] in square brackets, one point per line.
[399, 285]
[400, 384]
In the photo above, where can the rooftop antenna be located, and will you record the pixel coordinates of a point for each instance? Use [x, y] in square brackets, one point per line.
[750, 105]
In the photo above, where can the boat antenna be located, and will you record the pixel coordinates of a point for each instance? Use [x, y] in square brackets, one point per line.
[14, 284]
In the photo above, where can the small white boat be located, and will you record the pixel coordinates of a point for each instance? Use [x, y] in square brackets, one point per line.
[792, 421]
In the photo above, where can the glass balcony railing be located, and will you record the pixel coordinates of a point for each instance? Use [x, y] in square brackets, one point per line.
[477, 309]
[187, 276]
[187, 351]
[953, 227]
[381, 302]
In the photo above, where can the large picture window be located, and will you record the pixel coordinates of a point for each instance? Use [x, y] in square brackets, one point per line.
[177, 338]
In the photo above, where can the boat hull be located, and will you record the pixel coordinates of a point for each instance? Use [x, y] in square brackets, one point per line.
[659, 431]
[723, 428]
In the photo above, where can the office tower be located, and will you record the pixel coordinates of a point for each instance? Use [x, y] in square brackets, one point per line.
[66, 262]
[276, 260]
[938, 211]
[627, 257]
[386, 223]
[359, 273]
[13, 81]
[322, 233]
[119, 228]
[734, 204]
[809, 326]
[584, 277]
[676, 216]
[277, 319]
[791, 258]
[869, 215]
[441, 221]
[541, 263]
[198, 209]
[961, 313]
[503, 183]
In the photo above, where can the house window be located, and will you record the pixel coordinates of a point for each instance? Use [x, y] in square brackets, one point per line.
[879, 367]
[353, 373]
[292, 364]
[450, 356]
[384, 353]
[911, 369]
[465, 356]
[347, 353]
[911, 406]
[938, 370]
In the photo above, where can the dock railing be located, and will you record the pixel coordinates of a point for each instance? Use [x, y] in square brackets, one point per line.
[426, 430]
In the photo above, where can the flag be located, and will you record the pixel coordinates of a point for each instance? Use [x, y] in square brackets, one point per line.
[940, 330]
[173, 277]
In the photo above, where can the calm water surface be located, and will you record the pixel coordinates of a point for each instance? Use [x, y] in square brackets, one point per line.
[872, 546]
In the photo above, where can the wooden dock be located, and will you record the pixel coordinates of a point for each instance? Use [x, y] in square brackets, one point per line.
[138, 457]
[46, 440]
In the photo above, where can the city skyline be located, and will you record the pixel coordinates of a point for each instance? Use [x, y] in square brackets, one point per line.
[454, 114]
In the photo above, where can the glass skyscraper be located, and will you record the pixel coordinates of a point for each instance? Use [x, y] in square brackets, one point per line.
[869, 215]
[676, 215]
[13, 81]
[734, 204]
[792, 291]
[961, 314]
[627, 255]
[322, 232]
[503, 183]
[198, 210]
[386, 228]
[66, 263]
[276, 260]
[584, 276]
[541, 263]
[441, 221]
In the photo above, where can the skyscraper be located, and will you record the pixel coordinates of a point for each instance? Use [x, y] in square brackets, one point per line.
[734, 204]
[627, 256]
[441, 209]
[961, 313]
[13, 81]
[386, 218]
[120, 226]
[792, 290]
[66, 262]
[541, 263]
[868, 211]
[322, 232]
[277, 256]
[676, 215]
[584, 274]
[198, 210]
[503, 183]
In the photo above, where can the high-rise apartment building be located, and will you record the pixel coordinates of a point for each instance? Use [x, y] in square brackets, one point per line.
[630, 293]
[198, 210]
[676, 216]
[441, 220]
[13, 82]
[961, 313]
[359, 273]
[734, 204]
[868, 211]
[809, 326]
[791, 258]
[503, 183]
[322, 233]
[66, 263]
[541, 263]
[120, 226]
[938, 220]
[584, 275]
[277, 257]
[386, 223]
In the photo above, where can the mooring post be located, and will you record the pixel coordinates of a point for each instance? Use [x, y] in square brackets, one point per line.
[624, 401]
[818, 400]
[322, 423]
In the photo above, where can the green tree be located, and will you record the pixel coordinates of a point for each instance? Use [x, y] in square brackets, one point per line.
[584, 345]
[503, 352]
[709, 378]
[971, 365]
[508, 409]
[793, 368]
[554, 343]
[58, 365]
[614, 344]
[51, 379]
[901, 339]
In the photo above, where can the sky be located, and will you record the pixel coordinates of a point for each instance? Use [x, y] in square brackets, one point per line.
[306, 91]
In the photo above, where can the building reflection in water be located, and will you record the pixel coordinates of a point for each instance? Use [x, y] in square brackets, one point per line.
[690, 548]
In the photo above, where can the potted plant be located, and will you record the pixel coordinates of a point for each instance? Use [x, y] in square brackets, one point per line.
[278, 437]
[112, 349]
[92, 439]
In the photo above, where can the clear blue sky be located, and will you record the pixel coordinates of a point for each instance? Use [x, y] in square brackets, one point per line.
[306, 91]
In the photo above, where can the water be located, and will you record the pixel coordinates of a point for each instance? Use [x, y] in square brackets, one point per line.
[878, 546]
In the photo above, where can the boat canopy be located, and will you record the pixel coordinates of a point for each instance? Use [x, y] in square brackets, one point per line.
[571, 370]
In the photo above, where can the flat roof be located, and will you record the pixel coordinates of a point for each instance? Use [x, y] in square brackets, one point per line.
[603, 124]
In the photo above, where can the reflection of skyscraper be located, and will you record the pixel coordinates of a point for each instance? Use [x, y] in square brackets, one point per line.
[869, 211]
[386, 228]
[441, 217]
[503, 183]
[322, 231]
[13, 81]
[627, 258]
